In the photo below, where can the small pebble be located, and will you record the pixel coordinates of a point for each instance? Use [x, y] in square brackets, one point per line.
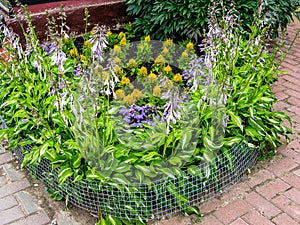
[35, 185]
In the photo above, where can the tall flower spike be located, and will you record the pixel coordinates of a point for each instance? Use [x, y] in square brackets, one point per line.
[99, 43]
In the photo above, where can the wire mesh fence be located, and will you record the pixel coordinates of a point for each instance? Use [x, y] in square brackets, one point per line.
[154, 200]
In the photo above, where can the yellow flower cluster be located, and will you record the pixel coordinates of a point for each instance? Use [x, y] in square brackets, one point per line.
[190, 46]
[132, 63]
[137, 94]
[184, 54]
[160, 60]
[105, 75]
[165, 50]
[125, 81]
[108, 33]
[118, 70]
[177, 78]
[133, 97]
[143, 71]
[169, 41]
[152, 76]
[147, 38]
[117, 49]
[87, 44]
[73, 52]
[117, 60]
[128, 100]
[82, 57]
[119, 94]
[123, 41]
[168, 69]
[121, 35]
[156, 91]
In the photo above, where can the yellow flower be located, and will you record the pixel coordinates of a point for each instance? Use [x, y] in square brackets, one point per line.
[147, 38]
[160, 60]
[152, 76]
[132, 63]
[105, 75]
[119, 94]
[165, 51]
[128, 100]
[177, 77]
[121, 35]
[123, 41]
[82, 57]
[156, 91]
[92, 32]
[73, 52]
[136, 94]
[125, 81]
[108, 33]
[169, 41]
[117, 49]
[184, 54]
[117, 60]
[143, 71]
[190, 46]
[87, 44]
[168, 69]
[118, 70]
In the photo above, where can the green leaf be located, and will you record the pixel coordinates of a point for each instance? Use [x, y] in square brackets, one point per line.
[94, 175]
[208, 155]
[236, 120]
[102, 222]
[251, 132]
[175, 160]
[168, 172]
[44, 148]
[78, 177]
[114, 221]
[76, 160]
[120, 178]
[185, 139]
[20, 113]
[64, 173]
[232, 141]
[193, 210]
[147, 170]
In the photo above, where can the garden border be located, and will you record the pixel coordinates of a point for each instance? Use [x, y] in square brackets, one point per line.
[157, 200]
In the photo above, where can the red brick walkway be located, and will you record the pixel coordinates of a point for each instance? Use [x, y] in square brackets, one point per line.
[270, 195]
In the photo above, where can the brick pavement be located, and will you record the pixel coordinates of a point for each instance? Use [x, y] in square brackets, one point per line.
[270, 195]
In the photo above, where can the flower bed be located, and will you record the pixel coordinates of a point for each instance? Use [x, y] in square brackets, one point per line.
[139, 130]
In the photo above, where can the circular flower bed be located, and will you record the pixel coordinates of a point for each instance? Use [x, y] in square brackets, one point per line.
[138, 130]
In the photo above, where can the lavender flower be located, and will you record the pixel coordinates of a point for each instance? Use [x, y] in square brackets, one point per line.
[59, 58]
[136, 115]
[99, 43]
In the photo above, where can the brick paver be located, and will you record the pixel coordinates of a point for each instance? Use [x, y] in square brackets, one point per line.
[271, 194]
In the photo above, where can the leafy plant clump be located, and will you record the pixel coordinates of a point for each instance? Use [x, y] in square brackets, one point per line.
[123, 113]
[188, 19]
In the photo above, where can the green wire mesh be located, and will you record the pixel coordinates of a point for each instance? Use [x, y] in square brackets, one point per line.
[156, 200]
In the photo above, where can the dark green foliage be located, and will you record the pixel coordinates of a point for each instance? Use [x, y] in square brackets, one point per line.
[188, 18]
